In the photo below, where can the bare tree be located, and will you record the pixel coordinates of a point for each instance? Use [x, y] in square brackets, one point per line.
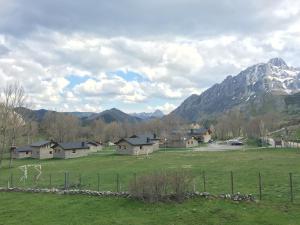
[13, 97]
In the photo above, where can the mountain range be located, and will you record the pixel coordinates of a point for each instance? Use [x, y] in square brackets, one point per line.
[108, 116]
[261, 88]
[157, 114]
[258, 88]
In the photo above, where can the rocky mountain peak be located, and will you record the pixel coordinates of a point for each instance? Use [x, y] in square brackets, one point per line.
[279, 62]
[273, 78]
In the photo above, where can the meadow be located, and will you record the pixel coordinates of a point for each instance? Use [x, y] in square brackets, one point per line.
[273, 164]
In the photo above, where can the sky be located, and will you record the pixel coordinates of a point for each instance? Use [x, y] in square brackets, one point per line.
[138, 56]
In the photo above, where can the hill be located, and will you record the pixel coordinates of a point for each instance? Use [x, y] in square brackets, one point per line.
[113, 115]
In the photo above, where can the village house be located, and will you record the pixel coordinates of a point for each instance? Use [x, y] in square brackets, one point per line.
[94, 146]
[201, 134]
[153, 138]
[181, 142]
[137, 145]
[42, 150]
[22, 152]
[70, 150]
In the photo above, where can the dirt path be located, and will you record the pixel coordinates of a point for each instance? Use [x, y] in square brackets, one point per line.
[217, 147]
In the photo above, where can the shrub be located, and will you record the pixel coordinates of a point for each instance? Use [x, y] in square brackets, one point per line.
[161, 186]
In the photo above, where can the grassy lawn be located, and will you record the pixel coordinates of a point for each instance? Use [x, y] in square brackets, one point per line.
[274, 165]
[47, 209]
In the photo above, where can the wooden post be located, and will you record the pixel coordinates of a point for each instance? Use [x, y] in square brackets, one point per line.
[117, 182]
[135, 181]
[204, 181]
[50, 181]
[80, 180]
[65, 186]
[11, 180]
[291, 187]
[231, 178]
[260, 186]
[98, 182]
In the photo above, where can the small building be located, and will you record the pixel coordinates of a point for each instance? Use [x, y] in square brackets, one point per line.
[183, 142]
[70, 150]
[153, 138]
[94, 146]
[135, 145]
[22, 152]
[201, 134]
[42, 150]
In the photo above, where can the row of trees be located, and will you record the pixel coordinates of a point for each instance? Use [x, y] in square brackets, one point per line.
[64, 127]
[236, 123]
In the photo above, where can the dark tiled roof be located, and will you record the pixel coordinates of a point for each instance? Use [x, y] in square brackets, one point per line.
[40, 143]
[95, 143]
[23, 149]
[198, 131]
[73, 145]
[137, 141]
[151, 136]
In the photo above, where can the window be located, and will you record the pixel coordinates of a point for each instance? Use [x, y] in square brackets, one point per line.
[141, 147]
[120, 146]
[74, 151]
[50, 152]
[26, 153]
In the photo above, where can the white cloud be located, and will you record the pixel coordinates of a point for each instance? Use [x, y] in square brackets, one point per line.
[172, 67]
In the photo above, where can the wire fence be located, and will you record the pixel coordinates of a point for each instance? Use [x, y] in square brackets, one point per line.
[265, 185]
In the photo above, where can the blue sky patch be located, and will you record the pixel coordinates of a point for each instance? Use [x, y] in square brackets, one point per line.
[130, 76]
[75, 80]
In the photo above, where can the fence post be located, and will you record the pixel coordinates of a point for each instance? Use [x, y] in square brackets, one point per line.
[98, 182]
[260, 186]
[231, 178]
[291, 187]
[80, 179]
[66, 180]
[50, 180]
[204, 181]
[135, 182]
[11, 180]
[117, 182]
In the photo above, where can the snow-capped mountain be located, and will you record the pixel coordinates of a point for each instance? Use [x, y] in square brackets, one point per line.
[146, 116]
[273, 76]
[252, 85]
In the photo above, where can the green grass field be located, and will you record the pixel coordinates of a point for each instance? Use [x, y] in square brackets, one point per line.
[274, 165]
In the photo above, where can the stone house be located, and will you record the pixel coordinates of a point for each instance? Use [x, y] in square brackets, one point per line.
[94, 146]
[42, 150]
[153, 138]
[201, 134]
[135, 145]
[70, 150]
[182, 142]
[22, 152]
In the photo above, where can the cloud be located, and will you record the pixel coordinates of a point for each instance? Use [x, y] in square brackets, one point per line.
[135, 53]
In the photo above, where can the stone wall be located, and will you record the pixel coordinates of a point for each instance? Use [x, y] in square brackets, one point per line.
[45, 152]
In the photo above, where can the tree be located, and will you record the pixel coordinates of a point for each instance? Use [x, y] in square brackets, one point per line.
[13, 97]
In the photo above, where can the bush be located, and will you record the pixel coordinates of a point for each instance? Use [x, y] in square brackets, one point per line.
[161, 186]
